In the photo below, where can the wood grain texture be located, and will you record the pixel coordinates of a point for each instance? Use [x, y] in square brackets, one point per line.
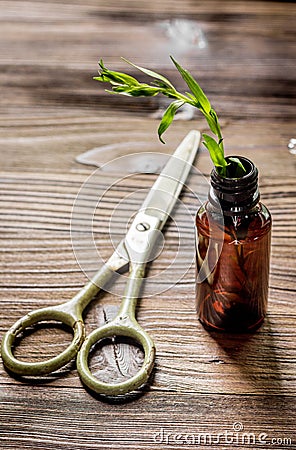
[51, 111]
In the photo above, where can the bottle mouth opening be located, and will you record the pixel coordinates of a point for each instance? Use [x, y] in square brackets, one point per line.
[236, 191]
[247, 163]
[250, 175]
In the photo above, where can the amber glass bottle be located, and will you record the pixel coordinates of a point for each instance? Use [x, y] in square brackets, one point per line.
[232, 253]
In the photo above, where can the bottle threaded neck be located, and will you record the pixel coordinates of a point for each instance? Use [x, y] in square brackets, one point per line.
[235, 195]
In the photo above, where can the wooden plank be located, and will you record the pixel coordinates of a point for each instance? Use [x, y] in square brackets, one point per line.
[189, 415]
[243, 54]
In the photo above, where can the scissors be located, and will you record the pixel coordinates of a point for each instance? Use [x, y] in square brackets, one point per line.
[134, 249]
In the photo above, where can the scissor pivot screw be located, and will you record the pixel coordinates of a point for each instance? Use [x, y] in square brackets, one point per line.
[142, 226]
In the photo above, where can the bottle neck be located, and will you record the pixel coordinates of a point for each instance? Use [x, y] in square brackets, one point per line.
[235, 195]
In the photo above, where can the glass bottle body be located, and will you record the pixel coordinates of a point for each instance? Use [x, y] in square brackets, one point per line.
[232, 266]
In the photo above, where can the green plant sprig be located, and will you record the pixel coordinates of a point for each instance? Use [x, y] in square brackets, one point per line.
[127, 85]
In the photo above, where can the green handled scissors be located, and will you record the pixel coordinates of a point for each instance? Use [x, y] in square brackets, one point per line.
[134, 249]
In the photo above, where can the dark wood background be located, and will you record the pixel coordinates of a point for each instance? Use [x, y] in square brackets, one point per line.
[243, 54]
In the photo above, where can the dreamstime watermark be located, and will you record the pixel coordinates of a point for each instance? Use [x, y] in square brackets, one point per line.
[235, 436]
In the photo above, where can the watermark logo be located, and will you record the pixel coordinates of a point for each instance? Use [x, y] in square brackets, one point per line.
[236, 435]
[238, 426]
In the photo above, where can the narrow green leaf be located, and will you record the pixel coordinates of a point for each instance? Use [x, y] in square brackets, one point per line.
[191, 97]
[213, 123]
[152, 74]
[240, 170]
[196, 90]
[214, 117]
[168, 117]
[111, 76]
[216, 153]
[162, 85]
[137, 91]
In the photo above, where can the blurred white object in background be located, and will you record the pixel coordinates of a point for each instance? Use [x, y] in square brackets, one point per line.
[184, 34]
[292, 146]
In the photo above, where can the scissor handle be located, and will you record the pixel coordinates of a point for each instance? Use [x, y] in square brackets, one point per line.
[124, 326]
[69, 313]
[61, 313]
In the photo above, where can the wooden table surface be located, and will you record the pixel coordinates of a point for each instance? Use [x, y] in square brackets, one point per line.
[207, 389]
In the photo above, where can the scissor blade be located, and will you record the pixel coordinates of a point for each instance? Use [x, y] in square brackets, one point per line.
[165, 191]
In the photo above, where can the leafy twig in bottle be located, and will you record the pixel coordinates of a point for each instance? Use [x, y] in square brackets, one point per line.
[124, 84]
